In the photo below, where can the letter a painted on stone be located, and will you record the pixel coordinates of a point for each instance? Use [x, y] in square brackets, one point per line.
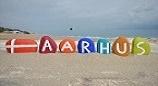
[121, 46]
[86, 45]
[47, 45]
[140, 46]
[67, 46]
[103, 46]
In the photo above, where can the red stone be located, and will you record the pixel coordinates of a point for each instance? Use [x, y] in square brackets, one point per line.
[21, 46]
[47, 45]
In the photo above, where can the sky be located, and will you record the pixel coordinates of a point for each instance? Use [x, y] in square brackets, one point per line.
[86, 17]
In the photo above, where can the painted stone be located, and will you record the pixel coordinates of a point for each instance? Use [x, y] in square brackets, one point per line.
[121, 46]
[21, 46]
[47, 45]
[67, 46]
[140, 46]
[103, 46]
[86, 45]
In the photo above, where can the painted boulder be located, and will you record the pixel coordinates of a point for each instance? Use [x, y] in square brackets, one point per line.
[140, 46]
[67, 46]
[103, 46]
[21, 46]
[86, 45]
[47, 45]
[121, 46]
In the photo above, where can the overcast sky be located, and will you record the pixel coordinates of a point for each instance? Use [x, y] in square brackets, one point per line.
[86, 17]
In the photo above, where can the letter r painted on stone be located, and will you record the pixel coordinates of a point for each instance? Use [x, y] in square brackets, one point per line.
[86, 45]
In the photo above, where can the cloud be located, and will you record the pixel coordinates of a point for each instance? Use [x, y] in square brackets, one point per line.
[56, 15]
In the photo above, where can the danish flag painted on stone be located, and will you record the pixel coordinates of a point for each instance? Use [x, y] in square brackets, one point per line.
[21, 46]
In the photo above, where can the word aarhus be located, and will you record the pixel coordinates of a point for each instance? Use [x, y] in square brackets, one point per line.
[120, 47]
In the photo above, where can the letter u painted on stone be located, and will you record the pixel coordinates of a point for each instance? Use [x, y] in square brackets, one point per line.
[121, 46]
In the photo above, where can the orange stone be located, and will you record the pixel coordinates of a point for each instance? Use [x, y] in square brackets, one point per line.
[67, 46]
[121, 46]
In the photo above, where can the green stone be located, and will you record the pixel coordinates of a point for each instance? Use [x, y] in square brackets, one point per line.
[140, 46]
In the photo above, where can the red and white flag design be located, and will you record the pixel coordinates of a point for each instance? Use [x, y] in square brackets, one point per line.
[21, 46]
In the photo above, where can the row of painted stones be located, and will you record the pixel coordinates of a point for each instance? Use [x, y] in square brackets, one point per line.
[120, 47]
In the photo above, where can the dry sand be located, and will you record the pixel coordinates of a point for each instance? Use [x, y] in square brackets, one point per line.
[78, 70]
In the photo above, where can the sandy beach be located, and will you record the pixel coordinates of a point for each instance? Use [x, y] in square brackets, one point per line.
[76, 69]
[114, 42]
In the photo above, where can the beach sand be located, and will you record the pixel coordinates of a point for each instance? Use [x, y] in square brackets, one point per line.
[76, 69]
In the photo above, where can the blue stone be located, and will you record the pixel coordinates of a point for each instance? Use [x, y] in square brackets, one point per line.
[103, 46]
[86, 45]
